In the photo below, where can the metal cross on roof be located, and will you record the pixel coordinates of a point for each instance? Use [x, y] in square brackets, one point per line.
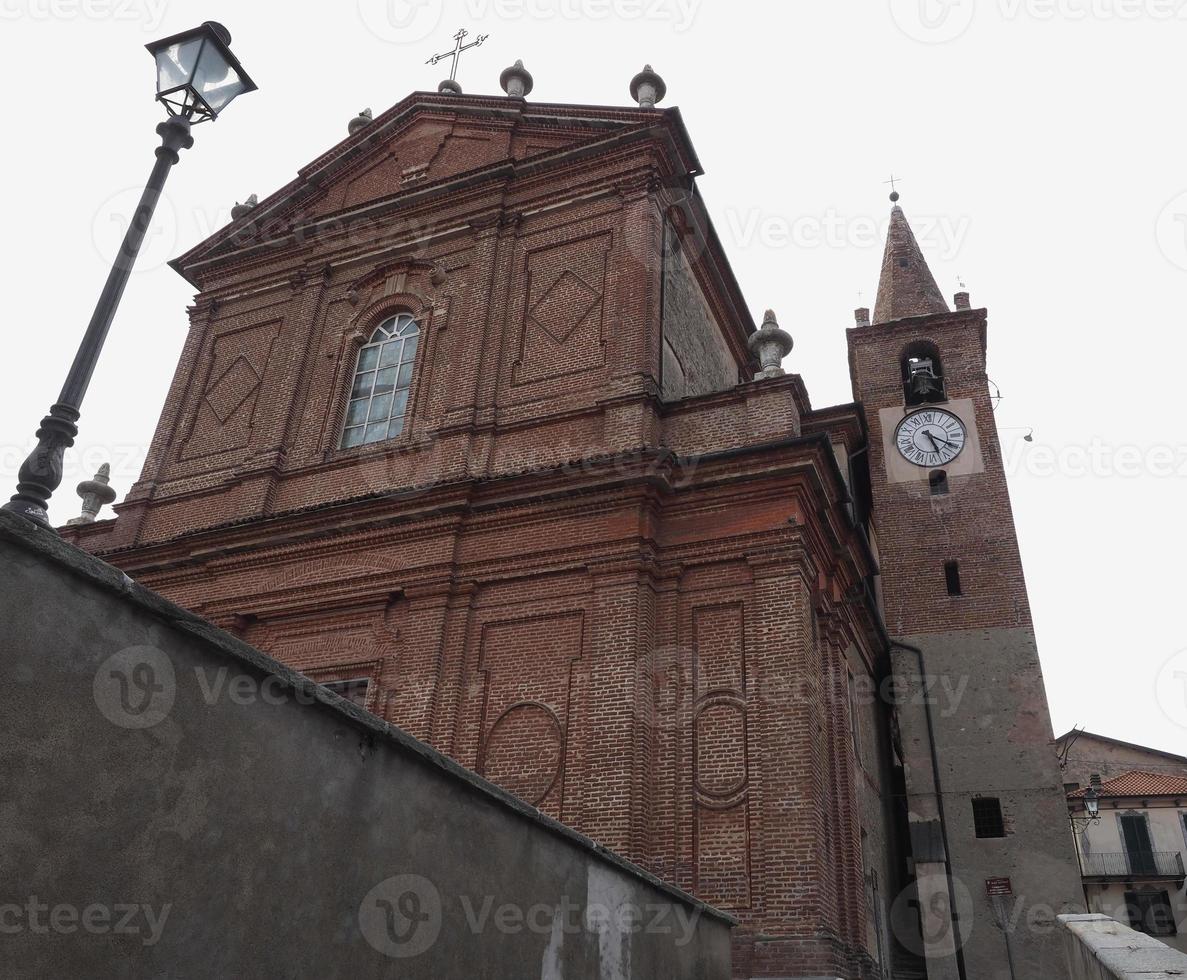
[458, 48]
[893, 182]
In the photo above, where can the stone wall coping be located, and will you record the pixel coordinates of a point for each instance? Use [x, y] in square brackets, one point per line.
[46, 545]
[1123, 952]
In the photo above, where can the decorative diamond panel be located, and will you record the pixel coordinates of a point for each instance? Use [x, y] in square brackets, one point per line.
[232, 389]
[565, 304]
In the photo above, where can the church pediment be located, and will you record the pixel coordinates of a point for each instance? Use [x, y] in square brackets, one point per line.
[424, 141]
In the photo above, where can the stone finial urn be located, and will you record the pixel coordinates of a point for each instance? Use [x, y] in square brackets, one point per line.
[516, 81]
[361, 121]
[95, 493]
[770, 344]
[647, 88]
[239, 210]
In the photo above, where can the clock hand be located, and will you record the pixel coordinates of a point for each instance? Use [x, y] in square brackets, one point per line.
[934, 444]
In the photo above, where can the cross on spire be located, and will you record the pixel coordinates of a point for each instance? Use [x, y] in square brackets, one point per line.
[458, 48]
[893, 182]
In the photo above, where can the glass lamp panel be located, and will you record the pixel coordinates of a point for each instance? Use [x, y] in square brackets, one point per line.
[215, 80]
[175, 64]
[218, 94]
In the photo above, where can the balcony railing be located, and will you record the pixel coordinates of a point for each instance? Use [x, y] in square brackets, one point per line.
[1136, 864]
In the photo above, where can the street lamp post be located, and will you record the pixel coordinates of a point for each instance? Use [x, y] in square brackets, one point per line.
[197, 77]
[1091, 800]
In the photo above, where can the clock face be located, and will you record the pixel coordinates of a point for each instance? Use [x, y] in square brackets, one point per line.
[932, 437]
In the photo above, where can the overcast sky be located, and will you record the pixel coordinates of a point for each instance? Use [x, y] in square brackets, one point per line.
[1042, 147]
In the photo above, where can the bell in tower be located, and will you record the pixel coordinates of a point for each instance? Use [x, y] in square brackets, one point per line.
[924, 382]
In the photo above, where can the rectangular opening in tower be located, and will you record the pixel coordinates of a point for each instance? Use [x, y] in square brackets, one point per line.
[952, 577]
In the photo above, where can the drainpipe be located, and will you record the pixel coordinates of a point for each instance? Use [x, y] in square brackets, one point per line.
[884, 633]
[935, 773]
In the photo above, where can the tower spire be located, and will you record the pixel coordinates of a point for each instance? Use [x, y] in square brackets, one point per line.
[906, 287]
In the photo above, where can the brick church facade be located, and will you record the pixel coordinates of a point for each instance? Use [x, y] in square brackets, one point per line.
[473, 423]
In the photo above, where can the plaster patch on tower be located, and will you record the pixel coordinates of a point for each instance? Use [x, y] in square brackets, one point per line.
[606, 895]
[552, 967]
[1030, 724]
[899, 470]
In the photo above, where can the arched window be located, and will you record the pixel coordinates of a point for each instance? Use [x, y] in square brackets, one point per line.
[382, 379]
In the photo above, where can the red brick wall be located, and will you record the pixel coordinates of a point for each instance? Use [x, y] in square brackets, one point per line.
[652, 650]
[919, 532]
[665, 681]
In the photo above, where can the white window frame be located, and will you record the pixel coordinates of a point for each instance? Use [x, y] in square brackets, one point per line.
[381, 383]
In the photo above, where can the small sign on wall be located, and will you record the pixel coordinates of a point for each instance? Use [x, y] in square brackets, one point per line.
[998, 887]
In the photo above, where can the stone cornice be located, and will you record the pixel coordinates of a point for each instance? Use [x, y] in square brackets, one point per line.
[233, 245]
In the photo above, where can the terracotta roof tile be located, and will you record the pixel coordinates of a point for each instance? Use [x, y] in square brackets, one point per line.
[1138, 783]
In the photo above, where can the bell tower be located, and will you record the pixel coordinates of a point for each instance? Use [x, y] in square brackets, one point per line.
[990, 846]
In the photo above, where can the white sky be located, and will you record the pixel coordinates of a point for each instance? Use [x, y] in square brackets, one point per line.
[1042, 147]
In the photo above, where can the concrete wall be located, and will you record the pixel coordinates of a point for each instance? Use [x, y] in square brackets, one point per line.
[1099, 948]
[177, 803]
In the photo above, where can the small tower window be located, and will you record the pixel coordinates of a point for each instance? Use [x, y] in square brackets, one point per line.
[937, 480]
[987, 817]
[923, 374]
[952, 577]
[382, 379]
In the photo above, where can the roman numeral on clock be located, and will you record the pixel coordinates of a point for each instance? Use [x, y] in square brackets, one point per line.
[930, 438]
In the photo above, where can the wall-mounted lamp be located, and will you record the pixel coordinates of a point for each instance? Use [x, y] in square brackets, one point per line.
[1030, 432]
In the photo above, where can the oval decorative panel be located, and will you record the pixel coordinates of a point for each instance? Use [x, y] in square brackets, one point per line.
[524, 751]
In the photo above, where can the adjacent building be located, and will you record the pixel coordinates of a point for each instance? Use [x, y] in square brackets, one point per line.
[1084, 754]
[1132, 853]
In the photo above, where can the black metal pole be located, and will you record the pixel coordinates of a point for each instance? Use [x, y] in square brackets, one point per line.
[41, 473]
